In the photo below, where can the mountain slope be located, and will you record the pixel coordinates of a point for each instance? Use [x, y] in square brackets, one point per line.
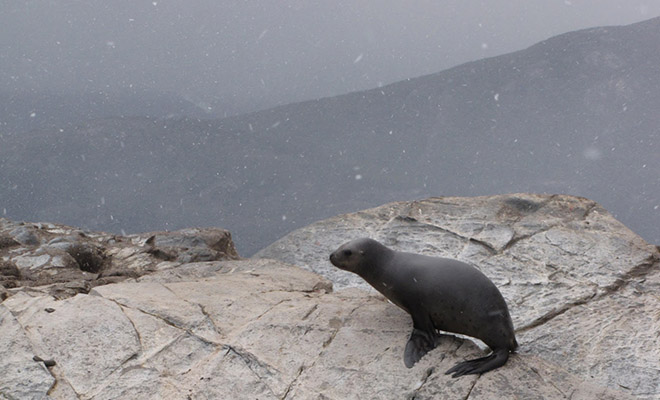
[574, 114]
[26, 110]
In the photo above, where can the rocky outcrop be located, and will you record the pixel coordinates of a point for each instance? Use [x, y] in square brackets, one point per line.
[69, 261]
[582, 290]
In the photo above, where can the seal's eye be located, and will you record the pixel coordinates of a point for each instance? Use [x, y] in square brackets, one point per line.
[347, 253]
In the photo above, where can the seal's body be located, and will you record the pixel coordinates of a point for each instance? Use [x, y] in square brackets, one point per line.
[439, 294]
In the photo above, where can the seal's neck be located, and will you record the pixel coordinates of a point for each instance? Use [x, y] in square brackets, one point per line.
[375, 272]
[381, 274]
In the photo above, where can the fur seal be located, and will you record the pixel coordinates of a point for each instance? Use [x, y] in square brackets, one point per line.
[439, 294]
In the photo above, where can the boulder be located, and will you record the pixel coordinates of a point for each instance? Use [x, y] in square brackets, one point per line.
[581, 287]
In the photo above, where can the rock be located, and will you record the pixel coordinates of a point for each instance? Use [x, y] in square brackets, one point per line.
[21, 377]
[7, 241]
[256, 329]
[24, 236]
[563, 263]
[4, 293]
[9, 269]
[62, 243]
[262, 328]
[193, 245]
[65, 261]
[87, 336]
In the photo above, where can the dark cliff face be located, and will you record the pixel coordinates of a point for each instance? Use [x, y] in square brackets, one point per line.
[574, 114]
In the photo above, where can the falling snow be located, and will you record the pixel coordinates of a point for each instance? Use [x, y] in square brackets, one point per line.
[233, 63]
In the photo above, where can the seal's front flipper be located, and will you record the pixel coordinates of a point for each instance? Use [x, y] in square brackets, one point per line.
[420, 343]
[480, 365]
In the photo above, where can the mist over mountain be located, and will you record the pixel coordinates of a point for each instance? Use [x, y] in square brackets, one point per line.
[233, 57]
[25, 110]
[574, 114]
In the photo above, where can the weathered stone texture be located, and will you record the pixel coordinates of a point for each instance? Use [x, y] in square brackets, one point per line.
[582, 290]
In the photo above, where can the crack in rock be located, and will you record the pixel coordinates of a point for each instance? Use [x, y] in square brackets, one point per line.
[556, 312]
[411, 220]
[311, 310]
[536, 372]
[53, 388]
[271, 308]
[137, 332]
[485, 245]
[175, 324]
[257, 367]
[515, 239]
[188, 331]
[293, 382]
[467, 396]
[216, 328]
[330, 339]
[258, 317]
[427, 374]
[327, 343]
[638, 271]
[335, 332]
[164, 348]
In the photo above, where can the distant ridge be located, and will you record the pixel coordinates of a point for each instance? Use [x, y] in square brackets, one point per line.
[574, 114]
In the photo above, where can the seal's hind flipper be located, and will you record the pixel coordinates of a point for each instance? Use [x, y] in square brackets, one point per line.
[420, 343]
[480, 365]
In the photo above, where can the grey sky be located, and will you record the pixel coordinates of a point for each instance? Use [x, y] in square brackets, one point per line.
[239, 55]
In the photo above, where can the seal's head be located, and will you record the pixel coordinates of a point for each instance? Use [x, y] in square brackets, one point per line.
[357, 255]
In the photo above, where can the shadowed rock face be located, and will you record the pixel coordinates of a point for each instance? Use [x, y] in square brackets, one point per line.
[581, 288]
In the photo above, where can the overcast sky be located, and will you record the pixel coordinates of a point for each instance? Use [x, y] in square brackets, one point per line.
[236, 55]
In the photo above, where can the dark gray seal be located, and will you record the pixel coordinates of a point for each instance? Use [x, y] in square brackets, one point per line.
[439, 294]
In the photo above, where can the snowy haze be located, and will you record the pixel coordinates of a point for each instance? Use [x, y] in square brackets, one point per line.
[113, 112]
[229, 57]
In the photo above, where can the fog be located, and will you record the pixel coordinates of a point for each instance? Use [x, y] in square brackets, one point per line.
[574, 114]
[231, 57]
